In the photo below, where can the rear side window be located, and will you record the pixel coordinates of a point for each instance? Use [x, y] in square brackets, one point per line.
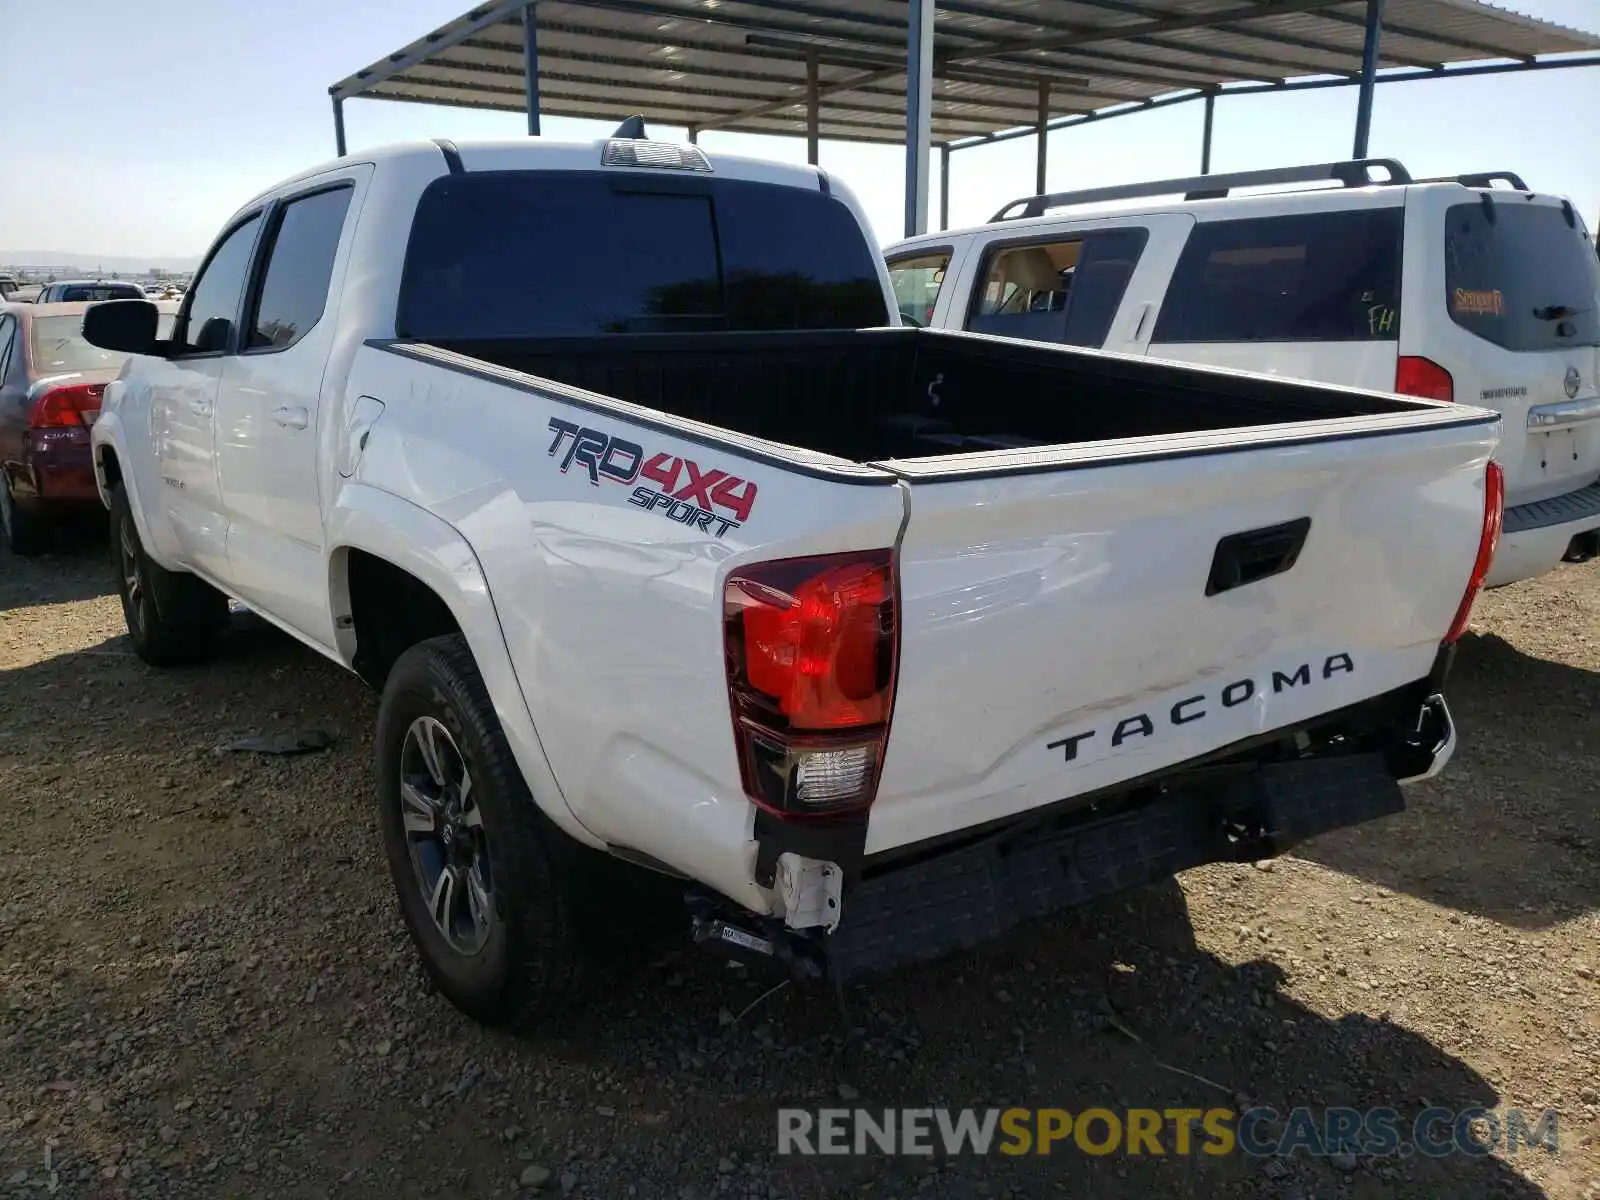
[1516, 274]
[917, 280]
[1065, 291]
[1310, 277]
[574, 254]
[294, 290]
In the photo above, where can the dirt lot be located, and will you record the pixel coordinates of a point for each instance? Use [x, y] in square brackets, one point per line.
[205, 989]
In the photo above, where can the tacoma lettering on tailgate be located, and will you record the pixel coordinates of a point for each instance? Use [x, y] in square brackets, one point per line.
[683, 492]
[1197, 708]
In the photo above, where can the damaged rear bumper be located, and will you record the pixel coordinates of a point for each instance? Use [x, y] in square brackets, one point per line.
[1248, 801]
[959, 897]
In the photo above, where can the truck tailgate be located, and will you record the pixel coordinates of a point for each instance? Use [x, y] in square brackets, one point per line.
[1075, 617]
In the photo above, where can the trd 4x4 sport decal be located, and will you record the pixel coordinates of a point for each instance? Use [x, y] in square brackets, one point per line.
[710, 500]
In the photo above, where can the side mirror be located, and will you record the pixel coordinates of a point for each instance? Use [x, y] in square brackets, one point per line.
[125, 326]
[214, 335]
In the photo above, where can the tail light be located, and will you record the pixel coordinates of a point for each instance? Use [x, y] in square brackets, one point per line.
[66, 406]
[812, 646]
[1416, 376]
[1494, 499]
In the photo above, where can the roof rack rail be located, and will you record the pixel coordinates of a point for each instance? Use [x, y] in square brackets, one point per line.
[1481, 179]
[1355, 173]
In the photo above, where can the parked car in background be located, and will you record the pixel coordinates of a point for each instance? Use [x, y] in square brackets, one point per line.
[78, 291]
[882, 640]
[8, 286]
[1453, 289]
[51, 382]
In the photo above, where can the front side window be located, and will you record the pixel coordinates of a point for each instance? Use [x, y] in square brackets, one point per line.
[1516, 274]
[294, 291]
[512, 254]
[917, 281]
[217, 293]
[1311, 277]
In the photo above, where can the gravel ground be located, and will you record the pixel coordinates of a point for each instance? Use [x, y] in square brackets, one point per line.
[205, 989]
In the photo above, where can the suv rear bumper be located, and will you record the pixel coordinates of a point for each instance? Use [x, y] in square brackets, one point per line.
[1536, 536]
[961, 897]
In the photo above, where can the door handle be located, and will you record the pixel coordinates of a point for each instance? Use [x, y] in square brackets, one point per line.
[291, 416]
[1243, 558]
[1136, 325]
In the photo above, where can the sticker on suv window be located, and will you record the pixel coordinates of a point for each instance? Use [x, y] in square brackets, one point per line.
[711, 500]
[1468, 302]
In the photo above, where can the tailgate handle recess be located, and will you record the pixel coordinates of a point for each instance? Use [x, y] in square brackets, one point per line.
[1243, 558]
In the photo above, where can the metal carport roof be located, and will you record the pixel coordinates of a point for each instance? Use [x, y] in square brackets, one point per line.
[839, 68]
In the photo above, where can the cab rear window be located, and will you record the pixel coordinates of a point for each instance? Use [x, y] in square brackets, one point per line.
[515, 254]
[1309, 277]
[1518, 275]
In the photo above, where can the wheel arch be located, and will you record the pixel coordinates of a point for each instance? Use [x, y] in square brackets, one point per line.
[381, 544]
[114, 465]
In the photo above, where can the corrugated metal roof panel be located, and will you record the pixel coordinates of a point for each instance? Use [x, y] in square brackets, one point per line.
[741, 64]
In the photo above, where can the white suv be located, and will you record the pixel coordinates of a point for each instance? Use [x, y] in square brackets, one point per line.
[1456, 289]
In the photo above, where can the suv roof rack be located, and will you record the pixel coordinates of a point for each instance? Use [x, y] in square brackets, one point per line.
[1355, 173]
[1481, 179]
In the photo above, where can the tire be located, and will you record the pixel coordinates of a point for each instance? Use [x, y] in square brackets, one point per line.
[509, 947]
[172, 616]
[24, 533]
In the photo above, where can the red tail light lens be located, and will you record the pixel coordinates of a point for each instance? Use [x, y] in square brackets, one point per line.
[812, 645]
[1494, 500]
[66, 406]
[1414, 376]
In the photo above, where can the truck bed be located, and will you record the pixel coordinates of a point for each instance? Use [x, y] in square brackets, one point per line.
[868, 395]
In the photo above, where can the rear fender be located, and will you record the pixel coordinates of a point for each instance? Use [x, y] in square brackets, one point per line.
[433, 551]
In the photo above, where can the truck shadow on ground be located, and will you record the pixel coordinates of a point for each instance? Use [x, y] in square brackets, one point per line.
[650, 1085]
[1511, 829]
[1111, 1006]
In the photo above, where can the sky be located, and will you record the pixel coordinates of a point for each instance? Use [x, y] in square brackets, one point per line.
[161, 117]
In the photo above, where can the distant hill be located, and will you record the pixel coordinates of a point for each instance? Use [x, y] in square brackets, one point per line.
[91, 264]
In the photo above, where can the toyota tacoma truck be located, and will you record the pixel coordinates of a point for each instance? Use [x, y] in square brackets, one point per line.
[668, 549]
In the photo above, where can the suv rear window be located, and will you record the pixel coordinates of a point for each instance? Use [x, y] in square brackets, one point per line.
[573, 254]
[1309, 277]
[1517, 275]
[79, 292]
[58, 346]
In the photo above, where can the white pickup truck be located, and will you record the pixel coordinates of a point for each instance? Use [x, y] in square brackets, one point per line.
[608, 465]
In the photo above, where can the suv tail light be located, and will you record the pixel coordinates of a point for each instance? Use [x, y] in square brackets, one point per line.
[1494, 499]
[812, 646]
[66, 406]
[1416, 376]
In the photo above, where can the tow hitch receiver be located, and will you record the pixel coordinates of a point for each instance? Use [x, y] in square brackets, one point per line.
[724, 934]
[744, 936]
